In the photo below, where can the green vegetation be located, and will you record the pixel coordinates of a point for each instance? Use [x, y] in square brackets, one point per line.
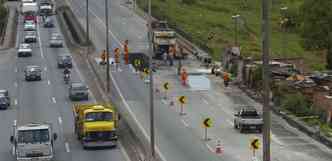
[3, 16]
[199, 19]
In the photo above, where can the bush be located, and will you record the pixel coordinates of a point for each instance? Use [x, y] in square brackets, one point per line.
[189, 2]
[297, 104]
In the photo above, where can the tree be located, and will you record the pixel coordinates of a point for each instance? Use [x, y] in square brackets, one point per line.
[316, 26]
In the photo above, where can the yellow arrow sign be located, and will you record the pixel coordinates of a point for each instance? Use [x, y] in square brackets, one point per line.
[183, 99]
[137, 62]
[166, 86]
[207, 122]
[146, 71]
[255, 144]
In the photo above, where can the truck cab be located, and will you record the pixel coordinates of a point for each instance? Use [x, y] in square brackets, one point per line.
[33, 141]
[96, 125]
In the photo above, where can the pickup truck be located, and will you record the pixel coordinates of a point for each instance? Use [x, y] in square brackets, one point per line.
[247, 118]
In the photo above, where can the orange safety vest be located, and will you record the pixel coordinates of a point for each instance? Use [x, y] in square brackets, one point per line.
[117, 55]
[103, 56]
[184, 76]
[226, 76]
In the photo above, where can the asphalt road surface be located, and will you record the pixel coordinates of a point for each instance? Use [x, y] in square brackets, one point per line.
[179, 138]
[44, 101]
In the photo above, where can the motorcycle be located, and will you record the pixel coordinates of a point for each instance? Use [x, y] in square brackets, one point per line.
[66, 78]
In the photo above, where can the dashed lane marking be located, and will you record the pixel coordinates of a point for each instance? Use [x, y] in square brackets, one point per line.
[185, 123]
[15, 102]
[48, 82]
[53, 100]
[15, 84]
[124, 152]
[60, 120]
[209, 147]
[39, 41]
[67, 147]
[205, 101]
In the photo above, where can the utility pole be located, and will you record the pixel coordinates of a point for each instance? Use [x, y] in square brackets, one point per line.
[152, 141]
[266, 79]
[235, 17]
[283, 28]
[107, 49]
[87, 27]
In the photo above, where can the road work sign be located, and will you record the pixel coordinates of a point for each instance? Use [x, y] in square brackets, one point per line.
[183, 99]
[146, 71]
[207, 122]
[166, 86]
[255, 144]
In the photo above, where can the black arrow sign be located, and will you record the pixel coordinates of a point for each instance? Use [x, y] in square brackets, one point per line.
[254, 144]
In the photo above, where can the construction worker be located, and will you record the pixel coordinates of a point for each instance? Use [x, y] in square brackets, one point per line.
[103, 57]
[171, 54]
[126, 52]
[117, 57]
[184, 76]
[226, 78]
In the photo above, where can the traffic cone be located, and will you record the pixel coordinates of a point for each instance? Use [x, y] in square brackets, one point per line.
[219, 148]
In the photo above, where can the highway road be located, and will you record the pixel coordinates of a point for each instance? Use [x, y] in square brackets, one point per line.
[45, 100]
[179, 138]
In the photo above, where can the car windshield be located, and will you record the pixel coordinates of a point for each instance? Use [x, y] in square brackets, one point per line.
[33, 136]
[99, 116]
[78, 86]
[249, 114]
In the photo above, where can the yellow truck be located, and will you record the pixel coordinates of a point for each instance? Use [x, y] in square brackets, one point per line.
[96, 125]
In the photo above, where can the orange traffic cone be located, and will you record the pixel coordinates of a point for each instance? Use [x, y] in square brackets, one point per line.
[219, 148]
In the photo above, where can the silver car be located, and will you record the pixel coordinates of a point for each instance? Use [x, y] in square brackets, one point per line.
[56, 40]
[30, 37]
[78, 91]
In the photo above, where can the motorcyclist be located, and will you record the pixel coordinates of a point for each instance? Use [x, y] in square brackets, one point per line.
[66, 72]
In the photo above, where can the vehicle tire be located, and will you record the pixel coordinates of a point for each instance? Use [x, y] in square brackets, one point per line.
[241, 128]
[235, 126]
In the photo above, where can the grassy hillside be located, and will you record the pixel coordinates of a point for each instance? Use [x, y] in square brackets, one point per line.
[205, 17]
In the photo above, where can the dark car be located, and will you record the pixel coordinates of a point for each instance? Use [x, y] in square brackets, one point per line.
[3, 102]
[65, 61]
[32, 73]
[5, 93]
[49, 23]
[78, 91]
[30, 37]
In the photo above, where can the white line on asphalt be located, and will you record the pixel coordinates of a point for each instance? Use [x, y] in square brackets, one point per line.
[60, 120]
[275, 139]
[163, 101]
[229, 122]
[67, 147]
[185, 123]
[209, 147]
[48, 82]
[15, 84]
[39, 41]
[45, 68]
[15, 102]
[16, 70]
[53, 99]
[124, 152]
[205, 101]
[13, 147]
[15, 122]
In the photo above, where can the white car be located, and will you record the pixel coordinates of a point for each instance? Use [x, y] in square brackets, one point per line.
[29, 26]
[30, 37]
[56, 40]
[24, 50]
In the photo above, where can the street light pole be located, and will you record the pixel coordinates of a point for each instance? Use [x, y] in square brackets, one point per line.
[107, 49]
[235, 17]
[87, 27]
[152, 141]
[283, 28]
[266, 79]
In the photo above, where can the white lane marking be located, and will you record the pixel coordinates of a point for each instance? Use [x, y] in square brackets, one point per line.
[209, 147]
[60, 120]
[229, 122]
[15, 122]
[134, 117]
[53, 100]
[185, 123]
[16, 70]
[45, 68]
[48, 82]
[205, 101]
[13, 150]
[67, 147]
[15, 84]
[39, 41]
[124, 152]
[15, 102]
[275, 139]
[163, 101]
